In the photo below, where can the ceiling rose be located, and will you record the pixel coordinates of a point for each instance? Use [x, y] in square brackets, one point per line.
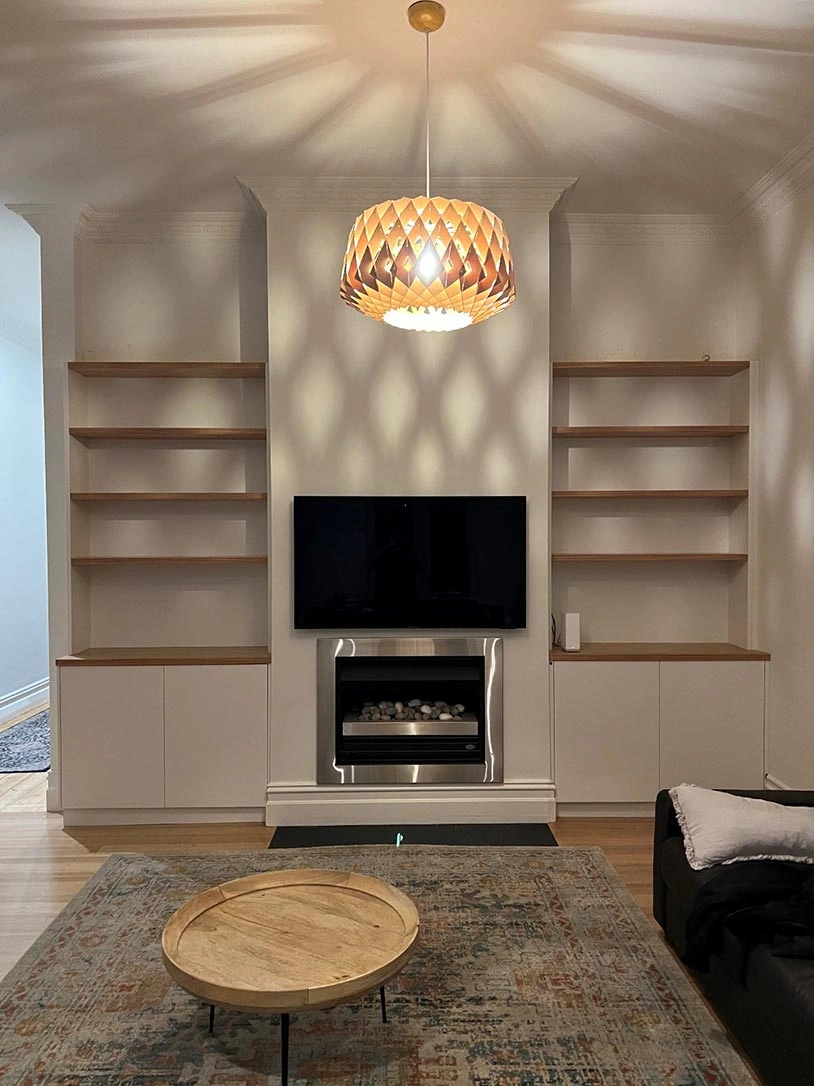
[428, 263]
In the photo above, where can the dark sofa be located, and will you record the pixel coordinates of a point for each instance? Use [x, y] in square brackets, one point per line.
[771, 1009]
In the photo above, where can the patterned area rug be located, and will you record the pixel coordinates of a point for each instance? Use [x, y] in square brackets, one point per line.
[26, 748]
[536, 968]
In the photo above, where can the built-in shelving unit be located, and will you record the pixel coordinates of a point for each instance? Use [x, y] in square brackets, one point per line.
[652, 517]
[205, 655]
[175, 457]
[151, 370]
[653, 651]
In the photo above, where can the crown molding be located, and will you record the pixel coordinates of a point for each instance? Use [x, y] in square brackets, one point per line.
[793, 174]
[357, 193]
[23, 333]
[587, 229]
[160, 226]
[48, 217]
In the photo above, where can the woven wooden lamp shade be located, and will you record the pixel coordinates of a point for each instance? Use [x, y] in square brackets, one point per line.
[428, 264]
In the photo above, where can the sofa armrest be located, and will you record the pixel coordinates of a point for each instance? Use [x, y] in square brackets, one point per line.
[666, 825]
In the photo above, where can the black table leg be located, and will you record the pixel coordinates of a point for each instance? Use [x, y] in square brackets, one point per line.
[211, 1018]
[384, 1003]
[284, 1049]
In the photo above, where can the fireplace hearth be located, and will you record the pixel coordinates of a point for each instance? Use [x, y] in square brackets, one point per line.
[409, 710]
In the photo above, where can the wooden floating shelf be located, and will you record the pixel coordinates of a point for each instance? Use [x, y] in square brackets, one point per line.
[612, 650]
[648, 431]
[651, 494]
[170, 560]
[144, 657]
[168, 369]
[167, 433]
[649, 369]
[677, 557]
[169, 496]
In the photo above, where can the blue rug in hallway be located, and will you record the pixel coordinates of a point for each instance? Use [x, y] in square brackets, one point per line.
[26, 748]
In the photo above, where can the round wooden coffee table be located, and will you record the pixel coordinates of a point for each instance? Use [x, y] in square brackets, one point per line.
[287, 941]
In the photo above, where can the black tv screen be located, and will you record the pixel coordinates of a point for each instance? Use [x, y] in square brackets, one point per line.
[422, 563]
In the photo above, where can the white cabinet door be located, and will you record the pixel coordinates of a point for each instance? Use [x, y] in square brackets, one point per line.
[712, 724]
[112, 737]
[216, 735]
[606, 732]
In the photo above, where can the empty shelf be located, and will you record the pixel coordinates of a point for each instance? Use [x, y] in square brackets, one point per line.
[167, 433]
[648, 431]
[168, 369]
[649, 369]
[169, 496]
[164, 656]
[619, 650]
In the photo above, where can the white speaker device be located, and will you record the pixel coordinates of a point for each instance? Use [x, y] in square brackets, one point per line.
[569, 624]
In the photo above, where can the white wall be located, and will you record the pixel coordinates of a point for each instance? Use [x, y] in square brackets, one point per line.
[776, 325]
[671, 299]
[358, 407]
[23, 590]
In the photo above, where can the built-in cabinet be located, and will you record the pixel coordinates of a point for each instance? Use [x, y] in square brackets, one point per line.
[157, 737]
[711, 724]
[606, 738]
[624, 729]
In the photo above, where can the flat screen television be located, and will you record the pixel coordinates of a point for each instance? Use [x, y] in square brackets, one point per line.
[420, 563]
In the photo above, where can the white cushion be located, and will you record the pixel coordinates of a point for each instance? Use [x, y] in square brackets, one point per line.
[723, 829]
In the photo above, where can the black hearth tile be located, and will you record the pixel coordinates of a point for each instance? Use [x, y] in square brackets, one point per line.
[520, 833]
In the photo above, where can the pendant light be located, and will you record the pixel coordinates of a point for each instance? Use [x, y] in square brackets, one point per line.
[428, 263]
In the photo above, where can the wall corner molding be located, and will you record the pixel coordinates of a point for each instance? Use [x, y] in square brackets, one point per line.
[792, 175]
[23, 333]
[632, 229]
[97, 225]
[356, 193]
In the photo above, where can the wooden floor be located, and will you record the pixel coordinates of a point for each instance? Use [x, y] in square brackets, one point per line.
[43, 865]
[23, 791]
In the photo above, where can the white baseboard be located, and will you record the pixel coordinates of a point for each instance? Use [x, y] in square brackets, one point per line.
[161, 816]
[605, 810]
[326, 805]
[53, 797]
[19, 701]
[775, 785]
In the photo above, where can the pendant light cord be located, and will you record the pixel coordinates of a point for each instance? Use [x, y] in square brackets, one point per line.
[427, 105]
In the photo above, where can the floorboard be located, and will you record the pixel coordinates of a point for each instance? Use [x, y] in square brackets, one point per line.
[23, 792]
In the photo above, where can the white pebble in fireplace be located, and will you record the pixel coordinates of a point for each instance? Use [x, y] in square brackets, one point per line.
[415, 709]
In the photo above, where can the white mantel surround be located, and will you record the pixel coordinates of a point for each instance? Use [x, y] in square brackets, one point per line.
[357, 407]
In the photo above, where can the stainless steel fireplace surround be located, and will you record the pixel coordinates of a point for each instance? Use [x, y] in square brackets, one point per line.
[483, 725]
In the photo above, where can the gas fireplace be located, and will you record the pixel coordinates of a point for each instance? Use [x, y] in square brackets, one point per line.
[410, 710]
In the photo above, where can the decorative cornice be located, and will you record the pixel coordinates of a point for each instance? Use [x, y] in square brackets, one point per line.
[793, 174]
[44, 217]
[356, 193]
[160, 226]
[20, 332]
[585, 229]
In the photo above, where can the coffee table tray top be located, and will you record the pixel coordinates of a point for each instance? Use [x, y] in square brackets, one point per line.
[290, 940]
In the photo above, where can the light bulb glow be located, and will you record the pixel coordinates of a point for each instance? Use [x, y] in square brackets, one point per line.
[428, 319]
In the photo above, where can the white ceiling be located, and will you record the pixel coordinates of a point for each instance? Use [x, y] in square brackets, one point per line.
[656, 106]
